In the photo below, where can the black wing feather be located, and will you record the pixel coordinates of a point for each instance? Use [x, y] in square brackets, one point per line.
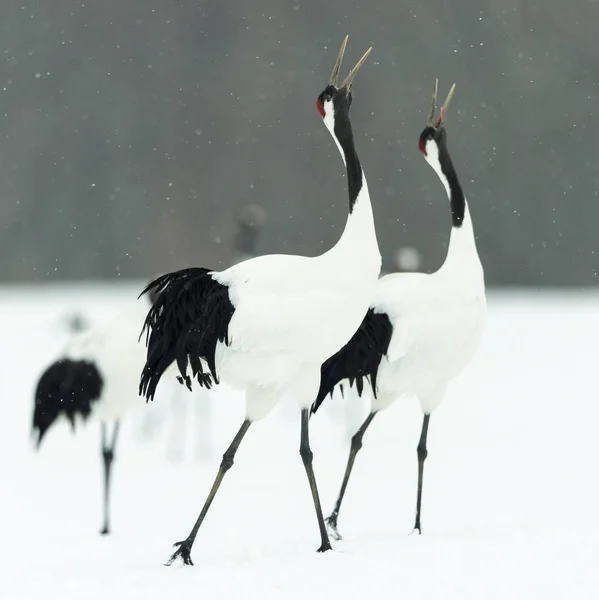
[359, 359]
[69, 387]
[189, 316]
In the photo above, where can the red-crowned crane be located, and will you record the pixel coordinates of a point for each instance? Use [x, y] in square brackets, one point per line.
[267, 324]
[421, 330]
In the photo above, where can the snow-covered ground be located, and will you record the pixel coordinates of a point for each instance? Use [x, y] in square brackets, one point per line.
[511, 499]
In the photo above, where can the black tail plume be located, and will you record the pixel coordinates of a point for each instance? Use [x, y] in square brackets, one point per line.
[68, 387]
[359, 359]
[190, 314]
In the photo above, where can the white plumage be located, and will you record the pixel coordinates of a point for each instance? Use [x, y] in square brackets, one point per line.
[95, 377]
[278, 332]
[197, 407]
[437, 326]
[266, 325]
[422, 329]
[114, 348]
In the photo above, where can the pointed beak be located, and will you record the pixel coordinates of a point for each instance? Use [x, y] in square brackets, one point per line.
[337, 66]
[442, 113]
[347, 83]
[433, 108]
[446, 104]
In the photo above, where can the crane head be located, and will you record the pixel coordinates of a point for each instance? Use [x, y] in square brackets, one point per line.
[434, 132]
[337, 98]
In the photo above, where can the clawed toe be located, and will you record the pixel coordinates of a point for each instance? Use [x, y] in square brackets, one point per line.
[332, 527]
[183, 552]
[325, 547]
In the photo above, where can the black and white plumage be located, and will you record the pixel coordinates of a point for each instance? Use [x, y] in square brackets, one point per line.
[266, 325]
[96, 377]
[433, 325]
[359, 359]
[190, 315]
[198, 406]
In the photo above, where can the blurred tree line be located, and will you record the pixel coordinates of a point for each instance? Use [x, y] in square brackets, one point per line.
[133, 132]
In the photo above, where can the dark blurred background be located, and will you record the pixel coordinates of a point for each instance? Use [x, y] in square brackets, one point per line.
[133, 133]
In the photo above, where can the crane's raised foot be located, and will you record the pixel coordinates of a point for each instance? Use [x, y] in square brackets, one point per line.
[183, 552]
[331, 522]
[104, 531]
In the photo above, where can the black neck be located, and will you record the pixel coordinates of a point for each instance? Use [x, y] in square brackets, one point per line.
[457, 201]
[345, 137]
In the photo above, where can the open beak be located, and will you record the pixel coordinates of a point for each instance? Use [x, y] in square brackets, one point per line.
[431, 115]
[347, 83]
[337, 67]
[433, 109]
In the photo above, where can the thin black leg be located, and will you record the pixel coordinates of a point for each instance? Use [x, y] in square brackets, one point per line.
[422, 454]
[108, 457]
[356, 444]
[306, 454]
[184, 547]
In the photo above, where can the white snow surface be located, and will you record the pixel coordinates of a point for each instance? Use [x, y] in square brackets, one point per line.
[511, 490]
